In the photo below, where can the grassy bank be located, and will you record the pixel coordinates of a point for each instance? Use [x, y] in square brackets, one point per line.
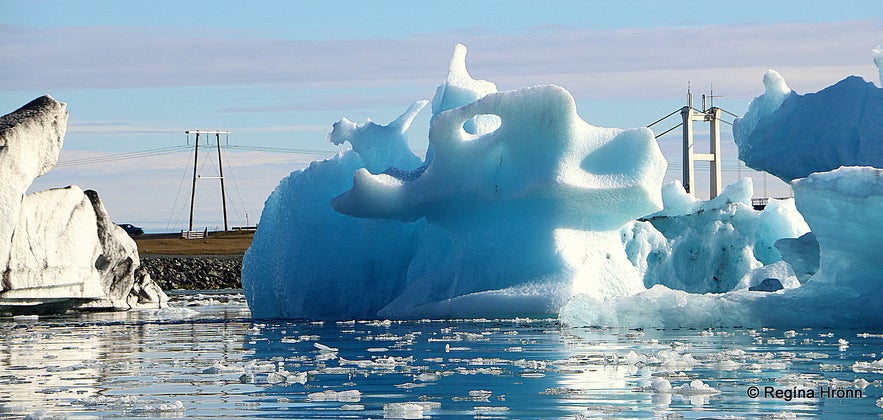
[216, 243]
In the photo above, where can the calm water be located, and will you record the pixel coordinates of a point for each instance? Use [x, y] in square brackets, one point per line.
[205, 358]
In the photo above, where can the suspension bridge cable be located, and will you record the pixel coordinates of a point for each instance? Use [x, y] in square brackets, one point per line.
[663, 118]
[728, 112]
[667, 131]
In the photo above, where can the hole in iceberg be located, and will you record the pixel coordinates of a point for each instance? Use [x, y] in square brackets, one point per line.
[481, 125]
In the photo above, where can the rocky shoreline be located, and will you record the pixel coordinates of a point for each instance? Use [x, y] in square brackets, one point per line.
[194, 272]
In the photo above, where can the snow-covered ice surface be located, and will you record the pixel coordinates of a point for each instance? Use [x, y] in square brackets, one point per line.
[204, 357]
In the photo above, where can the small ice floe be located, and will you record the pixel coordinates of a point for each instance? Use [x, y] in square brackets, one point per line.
[660, 385]
[695, 387]
[726, 365]
[45, 415]
[476, 395]
[427, 377]
[880, 402]
[449, 349]
[26, 319]
[106, 401]
[6, 408]
[352, 407]
[409, 410]
[219, 368]
[868, 367]
[352, 395]
[282, 376]
[324, 348]
[171, 312]
[489, 410]
[174, 407]
[325, 352]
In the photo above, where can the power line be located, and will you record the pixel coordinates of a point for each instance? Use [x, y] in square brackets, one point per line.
[120, 156]
[140, 154]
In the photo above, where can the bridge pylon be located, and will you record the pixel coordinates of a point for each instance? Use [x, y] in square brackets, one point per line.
[712, 116]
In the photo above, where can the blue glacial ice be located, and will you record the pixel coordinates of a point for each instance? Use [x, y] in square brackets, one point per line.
[518, 209]
[829, 276]
[841, 125]
[521, 208]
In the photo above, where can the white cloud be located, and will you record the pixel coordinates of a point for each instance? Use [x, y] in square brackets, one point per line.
[125, 57]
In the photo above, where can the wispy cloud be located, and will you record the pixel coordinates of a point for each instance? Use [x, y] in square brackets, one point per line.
[115, 127]
[125, 57]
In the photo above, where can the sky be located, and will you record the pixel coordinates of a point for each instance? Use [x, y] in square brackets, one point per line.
[277, 74]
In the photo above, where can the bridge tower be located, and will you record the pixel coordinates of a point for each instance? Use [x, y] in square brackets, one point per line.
[712, 116]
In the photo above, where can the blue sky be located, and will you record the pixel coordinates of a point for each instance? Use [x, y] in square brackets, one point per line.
[136, 75]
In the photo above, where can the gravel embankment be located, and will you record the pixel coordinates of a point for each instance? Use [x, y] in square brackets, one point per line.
[194, 272]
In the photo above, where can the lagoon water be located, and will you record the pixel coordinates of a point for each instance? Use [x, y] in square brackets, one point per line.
[205, 358]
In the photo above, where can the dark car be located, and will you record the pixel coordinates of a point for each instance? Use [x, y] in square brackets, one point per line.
[131, 229]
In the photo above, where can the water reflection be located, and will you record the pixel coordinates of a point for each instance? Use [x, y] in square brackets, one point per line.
[205, 358]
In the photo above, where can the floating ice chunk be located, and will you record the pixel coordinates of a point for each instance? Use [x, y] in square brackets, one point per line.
[695, 387]
[6, 408]
[219, 367]
[409, 410]
[660, 385]
[880, 402]
[26, 319]
[352, 395]
[868, 367]
[179, 312]
[428, 377]
[323, 348]
[45, 415]
[173, 407]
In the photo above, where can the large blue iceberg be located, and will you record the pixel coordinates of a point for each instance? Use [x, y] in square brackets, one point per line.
[791, 135]
[521, 208]
[516, 209]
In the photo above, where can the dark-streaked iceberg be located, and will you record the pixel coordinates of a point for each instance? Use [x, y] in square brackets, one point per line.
[59, 248]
